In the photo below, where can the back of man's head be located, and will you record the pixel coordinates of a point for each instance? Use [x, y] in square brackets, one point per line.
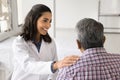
[90, 33]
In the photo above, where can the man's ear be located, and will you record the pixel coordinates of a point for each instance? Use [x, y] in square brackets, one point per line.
[104, 38]
[79, 44]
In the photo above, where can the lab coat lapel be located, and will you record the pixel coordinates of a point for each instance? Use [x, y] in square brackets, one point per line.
[42, 51]
[45, 53]
[33, 50]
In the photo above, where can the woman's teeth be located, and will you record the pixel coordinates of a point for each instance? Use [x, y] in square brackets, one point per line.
[45, 29]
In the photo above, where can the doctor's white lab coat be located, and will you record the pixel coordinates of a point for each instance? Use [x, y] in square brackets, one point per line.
[29, 64]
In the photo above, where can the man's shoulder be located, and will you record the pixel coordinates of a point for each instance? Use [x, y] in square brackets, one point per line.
[92, 66]
[110, 56]
[93, 61]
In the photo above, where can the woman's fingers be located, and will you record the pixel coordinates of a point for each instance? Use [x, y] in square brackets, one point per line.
[71, 58]
[67, 61]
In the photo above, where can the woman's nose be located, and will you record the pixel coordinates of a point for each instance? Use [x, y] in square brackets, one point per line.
[48, 25]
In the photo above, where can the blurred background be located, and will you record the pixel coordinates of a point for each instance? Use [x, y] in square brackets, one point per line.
[66, 14]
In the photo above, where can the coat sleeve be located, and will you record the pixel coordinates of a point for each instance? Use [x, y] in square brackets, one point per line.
[24, 62]
[55, 58]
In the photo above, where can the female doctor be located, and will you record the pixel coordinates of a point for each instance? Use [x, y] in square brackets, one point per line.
[35, 56]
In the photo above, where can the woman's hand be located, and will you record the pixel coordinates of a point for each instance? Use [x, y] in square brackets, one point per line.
[67, 61]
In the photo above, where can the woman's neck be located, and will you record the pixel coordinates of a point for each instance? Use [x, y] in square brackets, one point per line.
[37, 38]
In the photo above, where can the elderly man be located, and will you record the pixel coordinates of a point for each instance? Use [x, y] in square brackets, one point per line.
[95, 63]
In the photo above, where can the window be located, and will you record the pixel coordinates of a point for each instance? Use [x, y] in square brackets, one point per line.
[8, 19]
[109, 15]
[5, 16]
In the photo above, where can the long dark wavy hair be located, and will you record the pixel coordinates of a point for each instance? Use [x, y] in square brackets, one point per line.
[30, 26]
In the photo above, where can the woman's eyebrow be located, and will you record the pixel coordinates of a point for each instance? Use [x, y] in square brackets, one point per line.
[46, 18]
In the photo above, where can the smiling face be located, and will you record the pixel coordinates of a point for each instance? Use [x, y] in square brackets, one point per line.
[44, 23]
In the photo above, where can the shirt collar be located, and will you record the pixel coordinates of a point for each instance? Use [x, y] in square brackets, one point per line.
[94, 50]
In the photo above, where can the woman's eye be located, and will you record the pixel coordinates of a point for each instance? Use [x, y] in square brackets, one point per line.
[50, 21]
[45, 20]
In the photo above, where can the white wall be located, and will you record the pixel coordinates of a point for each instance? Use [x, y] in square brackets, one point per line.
[20, 14]
[68, 12]
[112, 43]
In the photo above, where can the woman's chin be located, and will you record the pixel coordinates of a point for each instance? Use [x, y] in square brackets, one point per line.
[44, 33]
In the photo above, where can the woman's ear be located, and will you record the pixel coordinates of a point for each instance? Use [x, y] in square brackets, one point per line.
[78, 44]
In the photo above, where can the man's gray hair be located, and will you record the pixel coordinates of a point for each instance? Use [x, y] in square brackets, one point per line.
[90, 33]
